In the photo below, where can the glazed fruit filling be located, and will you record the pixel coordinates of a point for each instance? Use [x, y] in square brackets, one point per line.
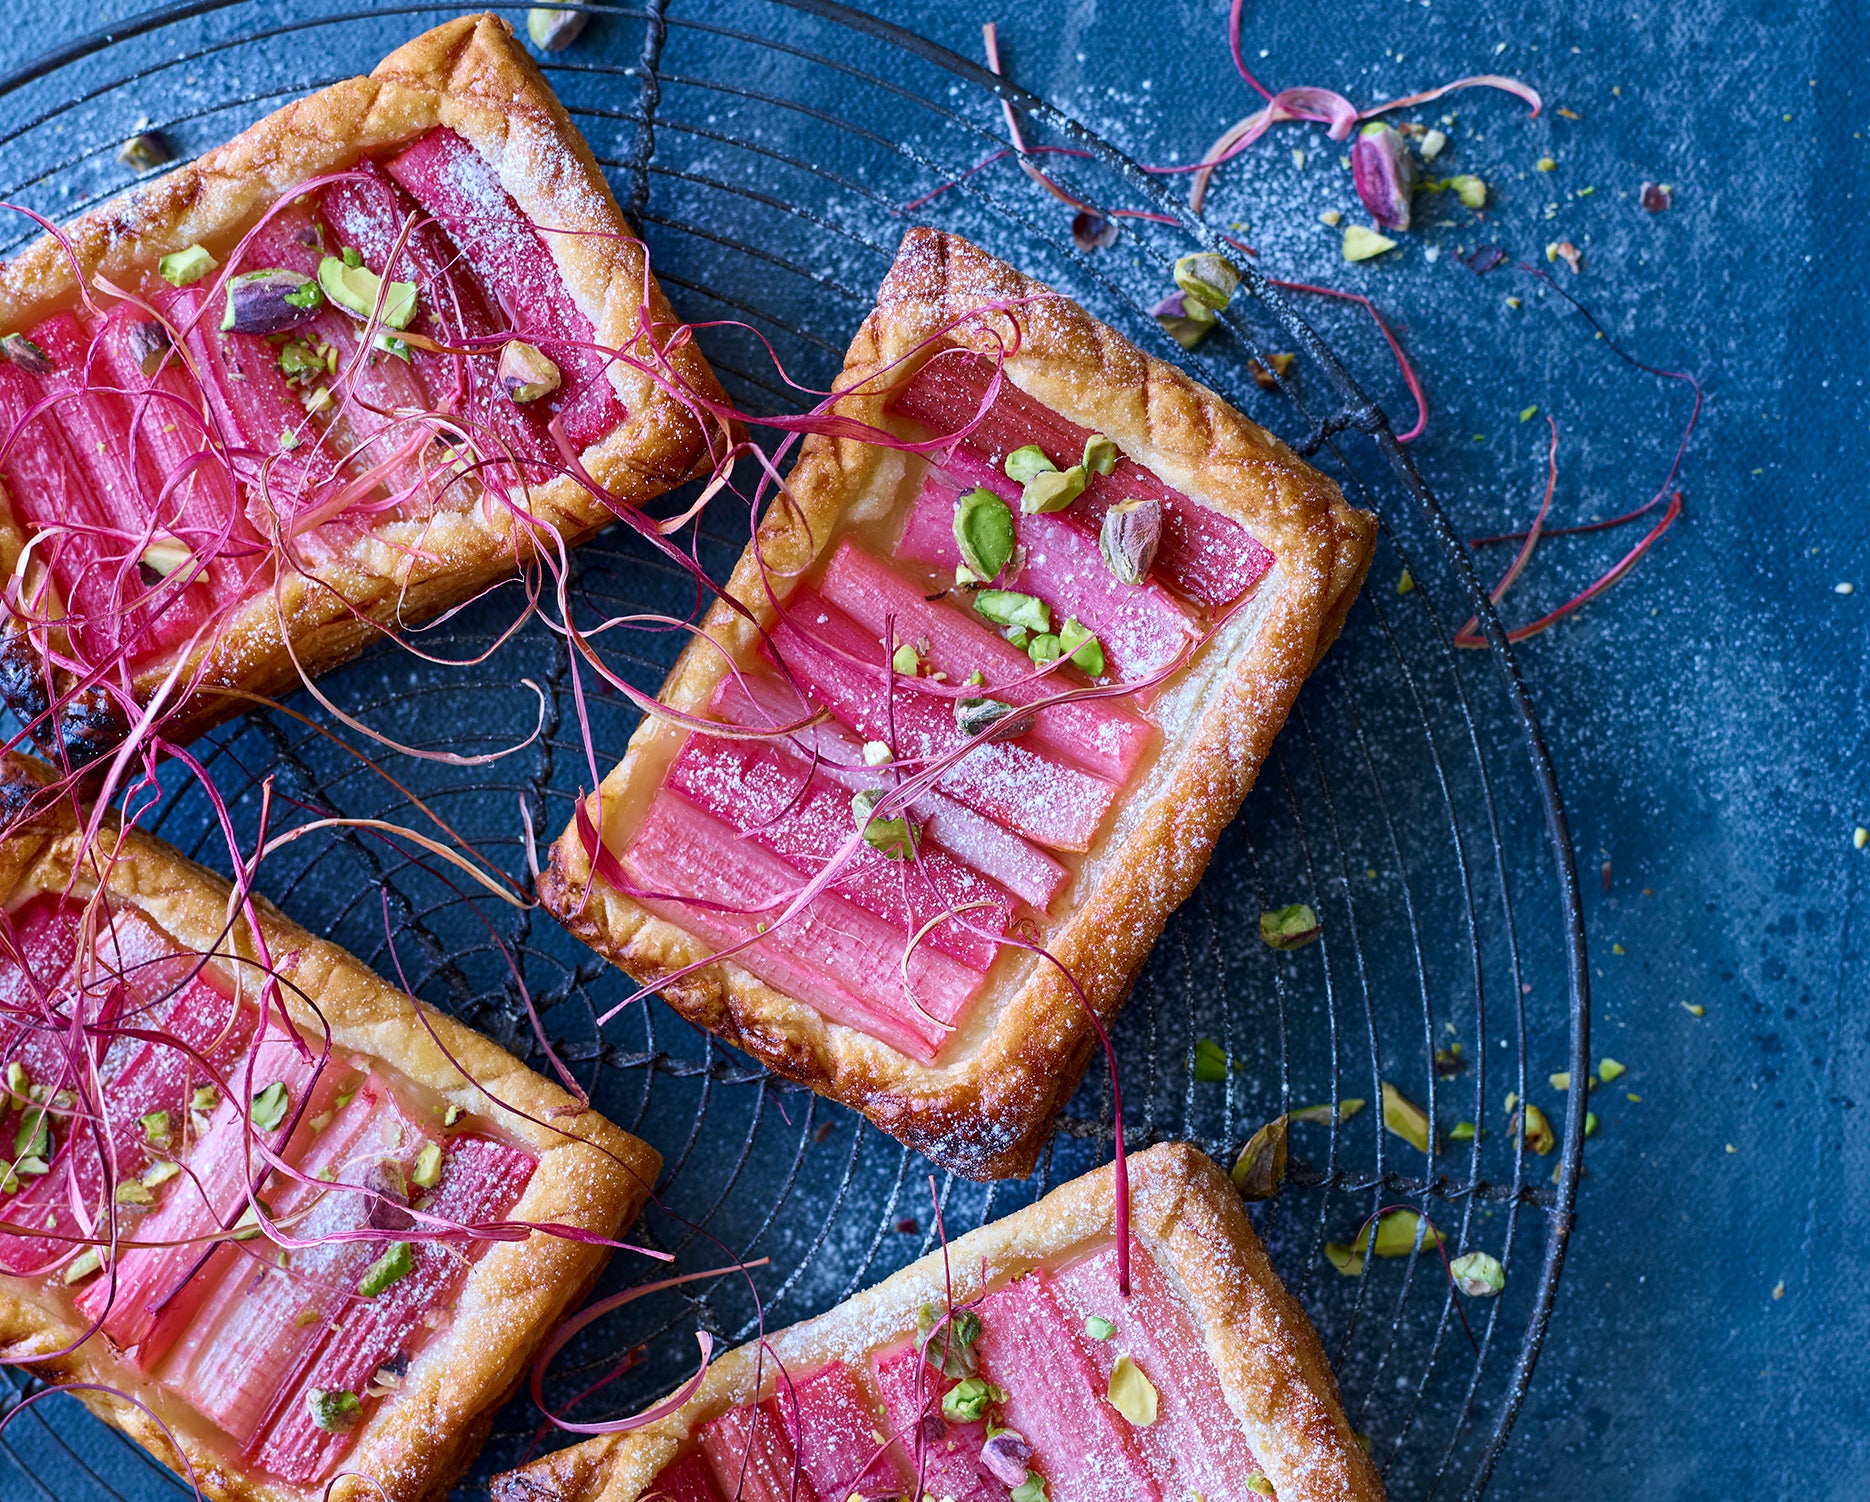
[1053, 1386]
[160, 1118]
[1033, 559]
[161, 484]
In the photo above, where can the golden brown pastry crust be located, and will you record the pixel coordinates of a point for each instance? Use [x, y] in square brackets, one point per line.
[987, 1114]
[591, 1175]
[1187, 1216]
[470, 76]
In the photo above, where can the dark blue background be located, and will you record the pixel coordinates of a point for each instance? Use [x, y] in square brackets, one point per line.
[1707, 717]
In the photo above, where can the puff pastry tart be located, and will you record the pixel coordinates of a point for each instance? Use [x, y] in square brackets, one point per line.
[287, 1236]
[1015, 1362]
[1027, 677]
[248, 429]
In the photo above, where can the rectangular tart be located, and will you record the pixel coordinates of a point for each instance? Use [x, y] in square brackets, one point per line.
[238, 449]
[1186, 589]
[1206, 1381]
[158, 1098]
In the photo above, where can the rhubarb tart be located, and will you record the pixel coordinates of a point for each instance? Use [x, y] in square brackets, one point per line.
[1014, 1364]
[289, 1228]
[1012, 646]
[386, 347]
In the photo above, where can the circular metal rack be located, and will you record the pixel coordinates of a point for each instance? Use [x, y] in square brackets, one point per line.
[773, 151]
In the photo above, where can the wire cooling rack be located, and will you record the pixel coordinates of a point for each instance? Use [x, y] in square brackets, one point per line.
[767, 148]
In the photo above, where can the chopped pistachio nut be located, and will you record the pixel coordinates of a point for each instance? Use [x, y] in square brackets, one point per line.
[88, 1261]
[1331, 218]
[1261, 1167]
[1207, 279]
[1461, 1131]
[1257, 1482]
[949, 1346]
[132, 1192]
[553, 30]
[1405, 1118]
[158, 1174]
[894, 838]
[1128, 538]
[268, 302]
[18, 1082]
[1032, 1489]
[1546, 164]
[182, 268]
[905, 660]
[270, 1106]
[1210, 1061]
[333, 1412]
[1561, 1080]
[34, 1137]
[1100, 455]
[1044, 648]
[1396, 1232]
[1471, 191]
[1478, 1275]
[972, 716]
[1610, 1069]
[1539, 1135]
[1027, 463]
[1008, 607]
[1694, 1009]
[1405, 582]
[983, 532]
[356, 288]
[1131, 1393]
[1085, 650]
[968, 1400]
[396, 1263]
[143, 151]
[1098, 1328]
[1322, 1115]
[526, 373]
[1291, 927]
[205, 1099]
[976, 679]
[156, 1128]
[1361, 243]
[1052, 490]
[451, 1116]
[22, 352]
[428, 1170]
[1590, 1123]
[299, 361]
[248, 1226]
[350, 257]
[1432, 144]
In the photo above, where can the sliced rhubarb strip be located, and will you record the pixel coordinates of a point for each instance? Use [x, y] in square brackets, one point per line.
[1037, 1350]
[1203, 554]
[752, 1458]
[211, 1192]
[167, 438]
[995, 851]
[834, 956]
[512, 261]
[369, 214]
[481, 1180]
[1141, 627]
[271, 1306]
[950, 1452]
[685, 1480]
[1099, 736]
[769, 794]
[1197, 1443]
[1049, 801]
[832, 1424]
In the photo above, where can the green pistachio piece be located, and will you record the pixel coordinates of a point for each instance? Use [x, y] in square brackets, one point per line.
[1478, 1275]
[968, 1400]
[1032, 1489]
[18, 1081]
[972, 716]
[526, 372]
[1008, 607]
[1210, 1061]
[983, 531]
[1361, 243]
[21, 351]
[1052, 490]
[1084, 649]
[1260, 1484]
[1461, 1131]
[205, 1099]
[1607, 1070]
[949, 1347]
[398, 1262]
[1261, 1166]
[1044, 648]
[1025, 464]
[156, 1128]
[1405, 1118]
[88, 1261]
[1289, 927]
[894, 838]
[181, 268]
[1131, 1393]
[1018, 636]
[1322, 1115]
[298, 361]
[905, 660]
[1207, 279]
[428, 1170]
[160, 1173]
[34, 1137]
[553, 30]
[270, 1106]
[142, 152]
[1098, 1328]
[131, 1192]
[350, 257]
[333, 1412]
[355, 288]
[1100, 454]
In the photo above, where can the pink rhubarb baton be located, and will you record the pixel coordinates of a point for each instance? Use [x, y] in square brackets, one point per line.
[685, 1480]
[1141, 627]
[1053, 803]
[752, 1458]
[833, 1428]
[1202, 553]
[511, 259]
[1037, 1351]
[833, 955]
[950, 1452]
[761, 700]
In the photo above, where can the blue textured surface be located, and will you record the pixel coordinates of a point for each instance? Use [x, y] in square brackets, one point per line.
[1707, 717]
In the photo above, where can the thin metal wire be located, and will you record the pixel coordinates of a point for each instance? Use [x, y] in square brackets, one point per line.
[1391, 750]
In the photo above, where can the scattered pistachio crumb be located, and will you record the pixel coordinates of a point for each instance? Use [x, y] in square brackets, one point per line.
[1546, 164]
[1609, 1069]
[1405, 582]
[1561, 1080]
[1694, 1009]
[1779, 1289]
[1512, 302]
[1526, 414]
[1590, 1123]
[1331, 217]
[1616, 949]
[1845, 587]
[1860, 837]
[1731, 1148]
[1632, 1097]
